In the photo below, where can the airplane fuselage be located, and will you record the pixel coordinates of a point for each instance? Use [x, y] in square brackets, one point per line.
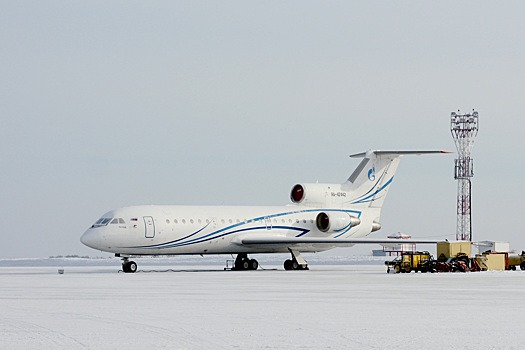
[172, 230]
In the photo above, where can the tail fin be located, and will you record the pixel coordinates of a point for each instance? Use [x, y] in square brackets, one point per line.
[370, 181]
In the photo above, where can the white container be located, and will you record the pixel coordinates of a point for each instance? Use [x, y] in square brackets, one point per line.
[493, 246]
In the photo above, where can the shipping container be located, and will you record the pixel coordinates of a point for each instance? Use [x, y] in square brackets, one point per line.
[452, 249]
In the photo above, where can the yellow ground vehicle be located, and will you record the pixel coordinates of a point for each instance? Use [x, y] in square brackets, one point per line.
[410, 261]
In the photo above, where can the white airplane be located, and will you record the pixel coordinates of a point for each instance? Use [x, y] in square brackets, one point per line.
[322, 217]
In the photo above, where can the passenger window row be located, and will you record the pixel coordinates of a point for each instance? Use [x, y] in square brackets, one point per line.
[119, 221]
[231, 221]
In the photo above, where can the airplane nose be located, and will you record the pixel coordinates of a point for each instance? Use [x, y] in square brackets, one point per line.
[90, 238]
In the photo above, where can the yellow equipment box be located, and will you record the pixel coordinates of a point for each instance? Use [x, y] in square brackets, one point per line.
[495, 262]
[452, 249]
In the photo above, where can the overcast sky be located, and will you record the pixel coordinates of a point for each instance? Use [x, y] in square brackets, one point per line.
[105, 104]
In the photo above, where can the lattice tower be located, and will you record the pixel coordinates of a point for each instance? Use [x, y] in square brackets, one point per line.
[464, 128]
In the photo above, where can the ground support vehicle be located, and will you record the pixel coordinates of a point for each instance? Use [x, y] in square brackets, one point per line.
[517, 260]
[460, 263]
[410, 261]
[439, 266]
[424, 262]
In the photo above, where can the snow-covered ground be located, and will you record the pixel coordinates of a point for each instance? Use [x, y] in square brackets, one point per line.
[204, 307]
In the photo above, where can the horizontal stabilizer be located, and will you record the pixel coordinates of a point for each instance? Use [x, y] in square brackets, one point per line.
[396, 153]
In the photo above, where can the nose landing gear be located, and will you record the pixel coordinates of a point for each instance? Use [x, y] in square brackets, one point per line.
[128, 266]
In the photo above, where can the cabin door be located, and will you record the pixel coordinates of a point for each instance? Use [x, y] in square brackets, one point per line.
[268, 222]
[149, 226]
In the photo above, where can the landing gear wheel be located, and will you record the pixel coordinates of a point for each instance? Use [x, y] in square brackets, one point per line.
[243, 263]
[129, 267]
[297, 262]
[292, 264]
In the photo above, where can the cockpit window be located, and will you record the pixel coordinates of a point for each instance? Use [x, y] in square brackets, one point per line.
[112, 221]
[117, 221]
[102, 222]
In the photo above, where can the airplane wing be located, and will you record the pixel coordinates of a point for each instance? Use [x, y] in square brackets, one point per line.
[327, 242]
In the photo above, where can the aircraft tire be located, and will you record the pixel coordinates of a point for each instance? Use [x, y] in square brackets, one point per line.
[129, 267]
[254, 264]
[246, 264]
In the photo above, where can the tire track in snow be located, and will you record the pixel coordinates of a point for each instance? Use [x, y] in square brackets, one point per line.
[37, 333]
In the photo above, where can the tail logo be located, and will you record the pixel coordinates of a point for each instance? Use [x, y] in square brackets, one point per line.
[372, 174]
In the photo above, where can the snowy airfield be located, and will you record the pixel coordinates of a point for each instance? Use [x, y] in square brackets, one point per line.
[351, 306]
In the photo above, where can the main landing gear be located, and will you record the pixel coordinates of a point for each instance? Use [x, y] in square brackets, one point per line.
[242, 262]
[128, 266]
[297, 262]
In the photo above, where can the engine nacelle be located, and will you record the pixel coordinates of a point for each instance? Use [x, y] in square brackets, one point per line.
[335, 222]
[319, 195]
